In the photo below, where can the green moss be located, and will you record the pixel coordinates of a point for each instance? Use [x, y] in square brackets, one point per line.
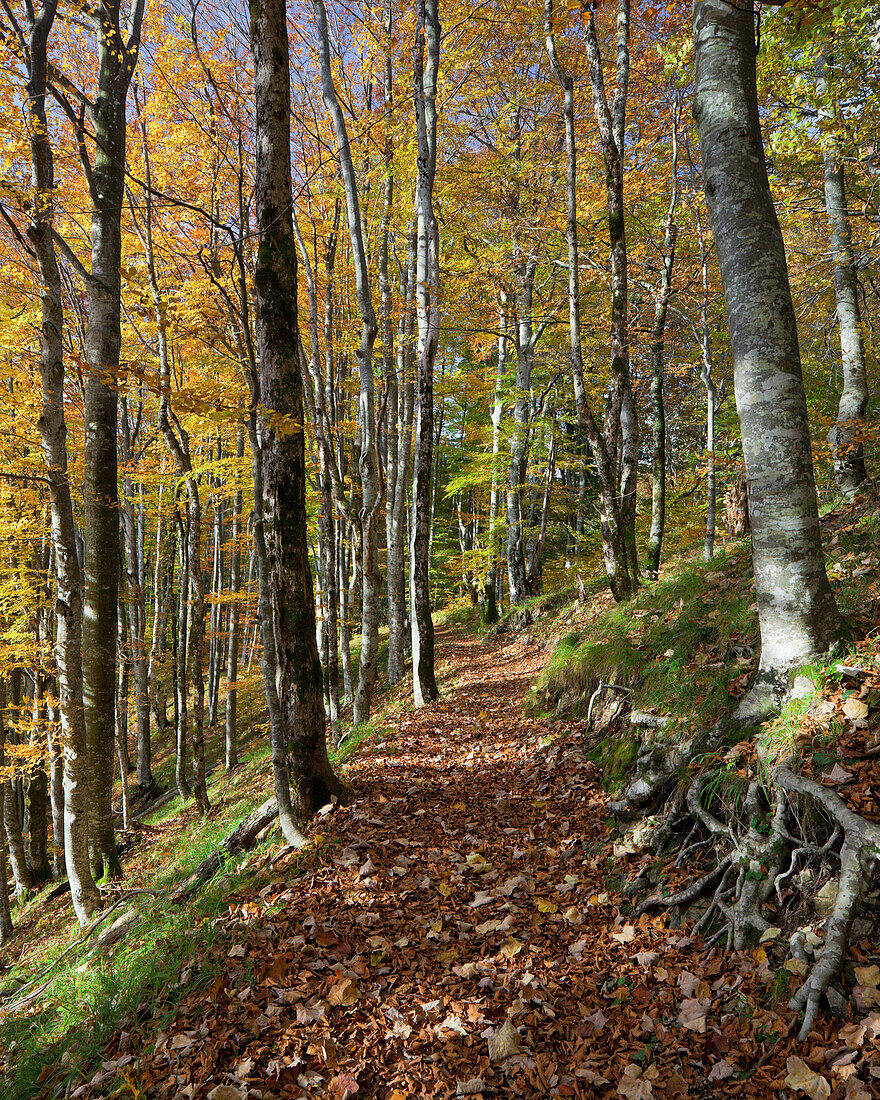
[615, 756]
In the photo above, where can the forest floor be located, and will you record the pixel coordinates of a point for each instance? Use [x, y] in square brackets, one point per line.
[456, 929]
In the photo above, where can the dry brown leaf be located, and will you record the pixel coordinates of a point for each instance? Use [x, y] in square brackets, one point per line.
[343, 1086]
[855, 708]
[868, 975]
[634, 1084]
[692, 1015]
[801, 1078]
[503, 1043]
[626, 935]
[344, 993]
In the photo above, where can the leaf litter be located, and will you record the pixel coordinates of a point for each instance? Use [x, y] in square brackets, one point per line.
[458, 934]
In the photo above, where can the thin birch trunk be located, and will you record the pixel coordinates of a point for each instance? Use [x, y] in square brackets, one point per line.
[658, 338]
[368, 457]
[846, 436]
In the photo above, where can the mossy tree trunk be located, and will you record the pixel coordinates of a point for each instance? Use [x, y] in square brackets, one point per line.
[292, 669]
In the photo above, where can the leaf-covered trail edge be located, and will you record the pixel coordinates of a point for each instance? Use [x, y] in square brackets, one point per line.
[454, 933]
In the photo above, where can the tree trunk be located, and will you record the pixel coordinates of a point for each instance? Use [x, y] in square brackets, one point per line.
[368, 457]
[845, 438]
[5, 913]
[56, 791]
[609, 454]
[37, 794]
[181, 682]
[490, 586]
[231, 755]
[122, 724]
[425, 65]
[658, 335]
[798, 616]
[53, 433]
[117, 56]
[711, 401]
[397, 529]
[137, 612]
[292, 669]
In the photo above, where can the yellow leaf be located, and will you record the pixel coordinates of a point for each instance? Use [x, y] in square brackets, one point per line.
[511, 948]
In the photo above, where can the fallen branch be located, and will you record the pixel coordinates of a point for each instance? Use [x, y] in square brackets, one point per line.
[90, 931]
[241, 839]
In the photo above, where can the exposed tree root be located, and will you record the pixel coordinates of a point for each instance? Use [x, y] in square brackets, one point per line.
[758, 843]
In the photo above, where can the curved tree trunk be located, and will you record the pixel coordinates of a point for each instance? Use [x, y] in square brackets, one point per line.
[117, 55]
[798, 616]
[53, 432]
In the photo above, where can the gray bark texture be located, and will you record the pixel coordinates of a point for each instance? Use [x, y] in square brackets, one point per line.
[397, 512]
[845, 438]
[231, 753]
[614, 449]
[137, 610]
[53, 433]
[426, 62]
[5, 913]
[291, 667]
[368, 458]
[658, 343]
[796, 608]
[117, 47]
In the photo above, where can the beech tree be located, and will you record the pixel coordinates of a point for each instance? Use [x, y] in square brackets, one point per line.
[292, 669]
[797, 612]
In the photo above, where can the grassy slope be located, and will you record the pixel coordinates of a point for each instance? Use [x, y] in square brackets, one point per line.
[688, 643]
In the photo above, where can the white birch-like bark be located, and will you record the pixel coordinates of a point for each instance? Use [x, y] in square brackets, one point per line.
[368, 458]
[797, 612]
[845, 437]
[53, 431]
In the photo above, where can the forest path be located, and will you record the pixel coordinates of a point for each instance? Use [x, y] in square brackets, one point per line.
[452, 935]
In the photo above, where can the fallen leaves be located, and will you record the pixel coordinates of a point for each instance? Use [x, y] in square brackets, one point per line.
[441, 950]
[802, 1079]
[503, 1043]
